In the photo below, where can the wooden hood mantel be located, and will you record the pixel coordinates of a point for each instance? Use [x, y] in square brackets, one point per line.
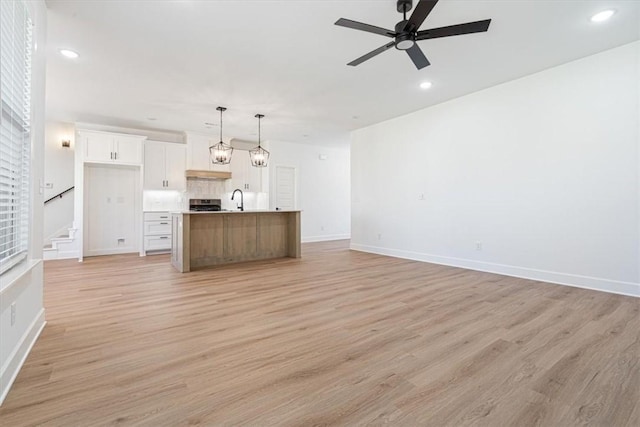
[192, 173]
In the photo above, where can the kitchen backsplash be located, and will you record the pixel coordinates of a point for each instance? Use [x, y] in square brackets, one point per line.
[198, 188]
[252, 201]
[163, 200]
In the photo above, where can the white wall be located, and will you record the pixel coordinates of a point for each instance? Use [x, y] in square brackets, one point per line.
[541, 171]
[22, 285]
[323, 187]
[58, 173]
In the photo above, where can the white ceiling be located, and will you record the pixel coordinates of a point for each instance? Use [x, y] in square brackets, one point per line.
[176, 61]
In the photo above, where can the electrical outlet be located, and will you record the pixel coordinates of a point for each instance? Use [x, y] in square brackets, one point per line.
[13, 313]
[478, 245]
[379, 236]
[421, 197]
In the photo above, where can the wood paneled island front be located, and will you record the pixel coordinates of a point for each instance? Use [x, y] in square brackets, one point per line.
[205, 239]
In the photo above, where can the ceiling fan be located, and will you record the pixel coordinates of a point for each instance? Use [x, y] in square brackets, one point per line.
[406, 34]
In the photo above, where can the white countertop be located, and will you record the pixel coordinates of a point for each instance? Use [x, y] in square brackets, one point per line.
[235, 212]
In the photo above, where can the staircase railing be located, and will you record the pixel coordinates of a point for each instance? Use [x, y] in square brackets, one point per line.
[59, 195]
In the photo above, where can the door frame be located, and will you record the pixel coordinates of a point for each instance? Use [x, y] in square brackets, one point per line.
[274, 185]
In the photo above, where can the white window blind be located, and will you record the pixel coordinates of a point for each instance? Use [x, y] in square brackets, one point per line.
[15, 136]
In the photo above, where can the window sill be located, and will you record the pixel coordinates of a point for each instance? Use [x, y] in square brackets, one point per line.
[9, 277]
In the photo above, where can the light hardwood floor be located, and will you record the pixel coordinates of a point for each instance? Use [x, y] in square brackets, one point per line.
[334, 338]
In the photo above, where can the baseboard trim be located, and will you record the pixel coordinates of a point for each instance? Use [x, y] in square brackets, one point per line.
[67, 254]
[327, 238]
[19, 355]
[578, 281]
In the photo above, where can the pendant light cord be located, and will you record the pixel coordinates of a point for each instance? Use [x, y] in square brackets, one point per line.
[221, 125]
[259, 119]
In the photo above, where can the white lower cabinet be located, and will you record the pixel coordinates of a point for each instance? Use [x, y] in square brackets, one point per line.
[157, 232]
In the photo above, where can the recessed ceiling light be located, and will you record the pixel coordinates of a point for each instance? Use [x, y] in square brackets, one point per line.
[69, 53]
[425, 85]
[603, 16]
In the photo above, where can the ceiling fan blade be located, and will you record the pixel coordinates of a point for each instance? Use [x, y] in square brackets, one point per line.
[370, 54]
[454, 30]
[364, 27]
[417, 56]
[420, 13]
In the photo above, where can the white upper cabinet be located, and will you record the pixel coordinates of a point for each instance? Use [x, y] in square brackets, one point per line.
[128, 150]
[98, 147]
[105, 147]
[175, 165]
[164, 166]
[198, 153]
[154, 165]
[243, 175]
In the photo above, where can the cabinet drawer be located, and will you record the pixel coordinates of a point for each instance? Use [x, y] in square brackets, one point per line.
[155, 243]
[157, 227]
[157, 216]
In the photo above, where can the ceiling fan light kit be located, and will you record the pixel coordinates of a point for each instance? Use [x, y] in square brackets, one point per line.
[220, 153]
[406, 34]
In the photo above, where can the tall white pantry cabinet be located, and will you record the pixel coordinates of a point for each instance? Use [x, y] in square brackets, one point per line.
[108, 192]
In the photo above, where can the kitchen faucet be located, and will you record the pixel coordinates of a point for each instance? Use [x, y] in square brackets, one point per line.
[241, 207]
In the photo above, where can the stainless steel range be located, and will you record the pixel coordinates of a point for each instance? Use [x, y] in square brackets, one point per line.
[205, 205]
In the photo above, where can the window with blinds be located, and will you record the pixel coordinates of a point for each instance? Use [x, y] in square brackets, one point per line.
[15, 136]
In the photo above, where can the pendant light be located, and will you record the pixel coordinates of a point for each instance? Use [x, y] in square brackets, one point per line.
[259, 156]
[220, 153]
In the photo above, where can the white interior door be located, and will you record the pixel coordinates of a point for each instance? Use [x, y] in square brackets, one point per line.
[285, 187]
[112, 197]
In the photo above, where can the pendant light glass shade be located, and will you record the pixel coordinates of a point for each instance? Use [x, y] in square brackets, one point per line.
[259, 156]
[220, 153]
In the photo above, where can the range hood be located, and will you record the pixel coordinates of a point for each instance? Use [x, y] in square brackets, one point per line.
[203, 174]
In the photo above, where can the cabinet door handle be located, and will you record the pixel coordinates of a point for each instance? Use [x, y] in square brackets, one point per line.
[111, 155]
[164, 217]
[164, 223]
[164, 237]
[116, 155]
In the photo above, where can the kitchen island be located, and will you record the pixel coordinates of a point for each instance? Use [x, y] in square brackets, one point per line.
[205, 239]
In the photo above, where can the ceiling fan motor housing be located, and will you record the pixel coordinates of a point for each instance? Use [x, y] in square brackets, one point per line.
[404, 39]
